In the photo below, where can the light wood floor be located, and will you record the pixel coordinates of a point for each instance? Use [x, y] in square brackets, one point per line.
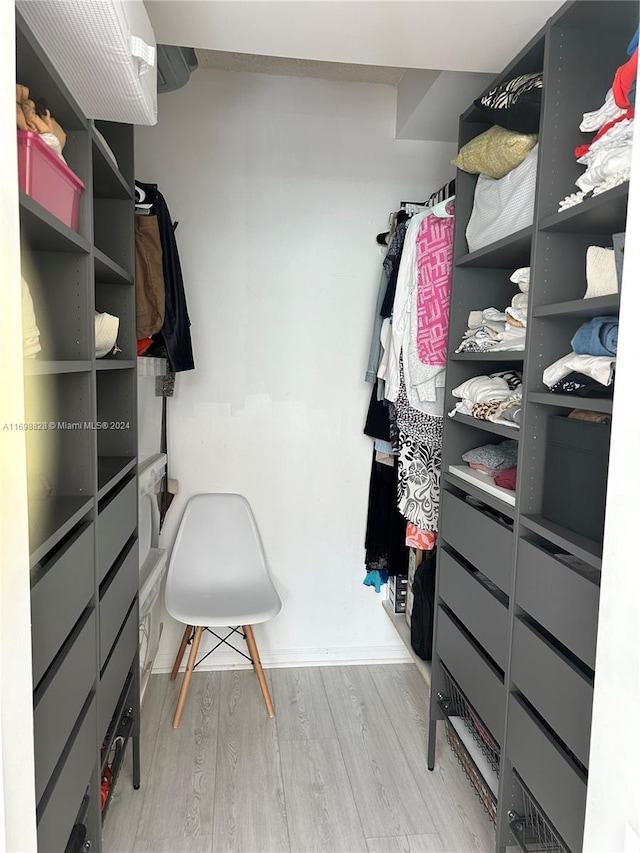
[341, 769]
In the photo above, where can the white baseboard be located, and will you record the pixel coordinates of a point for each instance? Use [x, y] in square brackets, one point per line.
[280, 658]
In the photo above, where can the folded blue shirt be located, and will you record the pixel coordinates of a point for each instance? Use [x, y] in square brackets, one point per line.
[598, 336]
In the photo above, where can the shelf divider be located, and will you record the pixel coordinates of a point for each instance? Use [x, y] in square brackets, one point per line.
[44, 232]
[487, 426]
[586, 549]
[569, 401]
[508, 253]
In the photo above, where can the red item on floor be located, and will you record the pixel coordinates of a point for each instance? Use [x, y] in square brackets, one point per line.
[105, 786]
[47, 179]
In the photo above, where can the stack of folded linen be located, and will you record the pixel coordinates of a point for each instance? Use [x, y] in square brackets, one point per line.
[588, 370]
[496, 398]
[498, 461]
[491, 330]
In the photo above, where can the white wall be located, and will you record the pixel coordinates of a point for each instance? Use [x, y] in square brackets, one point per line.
[17, 791]
[613, 794]
[280, 185]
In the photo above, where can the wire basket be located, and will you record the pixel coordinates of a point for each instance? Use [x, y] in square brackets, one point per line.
[455, 704]
[472, 773]
[532, 830]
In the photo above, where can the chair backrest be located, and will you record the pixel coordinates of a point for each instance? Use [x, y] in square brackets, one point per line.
[218, 542]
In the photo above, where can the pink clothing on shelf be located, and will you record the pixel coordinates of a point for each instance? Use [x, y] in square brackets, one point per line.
[424, 540]
[434, 268]
[506, 479]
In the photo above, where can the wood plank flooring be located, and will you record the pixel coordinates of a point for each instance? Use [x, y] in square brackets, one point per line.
[341, 769]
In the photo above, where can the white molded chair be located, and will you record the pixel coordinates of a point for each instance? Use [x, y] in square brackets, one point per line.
[219, 577]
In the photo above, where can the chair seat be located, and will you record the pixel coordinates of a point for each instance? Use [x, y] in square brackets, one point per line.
[225, 606]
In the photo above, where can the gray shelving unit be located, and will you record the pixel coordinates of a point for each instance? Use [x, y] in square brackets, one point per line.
[517, 594]
[82, 472]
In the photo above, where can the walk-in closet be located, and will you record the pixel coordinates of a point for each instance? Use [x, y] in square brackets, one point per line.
[318, 320]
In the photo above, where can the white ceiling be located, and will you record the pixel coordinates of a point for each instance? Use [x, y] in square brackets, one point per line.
[453, 35]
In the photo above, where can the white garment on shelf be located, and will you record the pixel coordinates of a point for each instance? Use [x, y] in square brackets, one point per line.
[518, 314]
[521, 278]
[619, 135]
[604, 114]
[483, 389]
[520, 301]
[513, 338]
[598, 367]
[605, 163]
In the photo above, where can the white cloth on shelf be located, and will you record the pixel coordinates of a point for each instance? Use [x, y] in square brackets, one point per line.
[521, 278]
[517, 314]
[482, 389]
[598, 367]
[513, 338]
[520, 301]
[604, 114]
[618, 136]
[602, 278]
[605, 163]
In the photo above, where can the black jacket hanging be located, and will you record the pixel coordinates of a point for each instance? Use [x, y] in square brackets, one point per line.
[175, 331]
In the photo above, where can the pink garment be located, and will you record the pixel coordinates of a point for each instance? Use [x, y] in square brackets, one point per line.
[423, 540]
[434, 268]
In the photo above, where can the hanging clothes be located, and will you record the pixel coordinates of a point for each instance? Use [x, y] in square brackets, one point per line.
[175, 333]
[149, 278]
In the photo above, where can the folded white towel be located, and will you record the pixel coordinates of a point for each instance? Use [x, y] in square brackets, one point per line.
[481, 389]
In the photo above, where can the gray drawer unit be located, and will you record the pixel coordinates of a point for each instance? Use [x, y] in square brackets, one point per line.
[59, 596]
[482, 686]
[56, 820]
[59, 704]
[116, 599]
[562, 600]
[117, 520]
[555, 782]
[116, 670]
[554, 686]
[485, 543]
[481, 613]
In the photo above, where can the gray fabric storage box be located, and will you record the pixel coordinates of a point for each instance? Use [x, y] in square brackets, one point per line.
[575, 481]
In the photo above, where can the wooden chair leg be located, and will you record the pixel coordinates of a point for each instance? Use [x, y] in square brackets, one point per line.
[182, 698]
[255, 657]
[180, 655]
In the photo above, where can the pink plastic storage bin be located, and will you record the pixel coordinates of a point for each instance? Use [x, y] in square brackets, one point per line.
[43, 176]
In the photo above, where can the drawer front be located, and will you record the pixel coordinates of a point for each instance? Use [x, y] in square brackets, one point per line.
[57, 709]
[560, 693]
[481, 613]
[485, 543]
[56, 820]
[571, 612]
[559, 788]
[476, 678]
[116, 600]
[114, 676]
[59, 597]
[116, 522]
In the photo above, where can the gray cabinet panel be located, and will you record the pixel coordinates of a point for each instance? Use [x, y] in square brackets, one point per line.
[485, 543]
[556, 783]
[59, 597]
[117, 520]
[481, 613]
[554, 686]
[56, 820]
[57, 708]
[559, 598]
[113, 677]
[476, 677]
[116, 599]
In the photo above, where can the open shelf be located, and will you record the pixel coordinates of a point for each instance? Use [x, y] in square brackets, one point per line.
[34, 367]
[602, 214]
[594, 307]
[502, 355]
[510, 252]
[108, 271]
[108, 181]
[114, 364]
[41, 231]
[476, 490]
[487, 426]
[51, 519]
[586, 549]
[483, 482]
[570, 401]
[112, 469]
[399, 622]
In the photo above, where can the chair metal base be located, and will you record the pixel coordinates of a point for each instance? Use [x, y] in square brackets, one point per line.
[192, 636]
